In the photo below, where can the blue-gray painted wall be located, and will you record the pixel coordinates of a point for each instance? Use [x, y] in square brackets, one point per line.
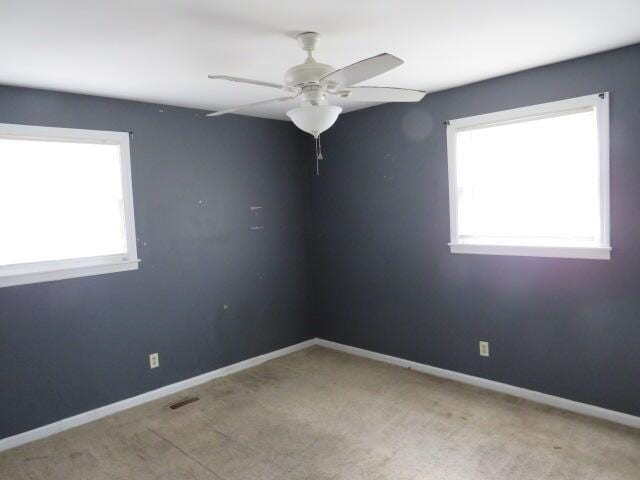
[368, 238]
[386, 281]
[73, 345]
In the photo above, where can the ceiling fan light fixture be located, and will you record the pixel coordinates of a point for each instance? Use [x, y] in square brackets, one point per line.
[312, 82]
[314, 119]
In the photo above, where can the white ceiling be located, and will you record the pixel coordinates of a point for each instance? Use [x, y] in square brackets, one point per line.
[162, 50]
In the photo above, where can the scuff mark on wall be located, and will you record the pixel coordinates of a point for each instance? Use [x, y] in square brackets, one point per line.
[256, 211]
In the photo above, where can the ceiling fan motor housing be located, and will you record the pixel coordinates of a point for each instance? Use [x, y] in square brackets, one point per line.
[309, 72]
[306, 73]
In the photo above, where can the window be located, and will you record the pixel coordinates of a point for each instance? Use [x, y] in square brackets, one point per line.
[66, 208]
[532, 181]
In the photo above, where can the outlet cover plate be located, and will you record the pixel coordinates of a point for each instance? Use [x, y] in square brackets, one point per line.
[154, 360]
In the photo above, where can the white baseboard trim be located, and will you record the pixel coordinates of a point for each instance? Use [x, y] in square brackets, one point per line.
[538, 397]
[86, 417]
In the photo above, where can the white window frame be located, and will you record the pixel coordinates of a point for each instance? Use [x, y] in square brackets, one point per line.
[598, 101]
[35, 272]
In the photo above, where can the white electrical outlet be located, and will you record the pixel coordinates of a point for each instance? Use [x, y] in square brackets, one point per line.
[484, 349]
[154, 360]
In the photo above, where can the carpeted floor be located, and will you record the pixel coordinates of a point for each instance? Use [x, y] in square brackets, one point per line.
[320, 414]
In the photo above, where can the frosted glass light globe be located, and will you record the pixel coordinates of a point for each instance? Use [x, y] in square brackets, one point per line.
[314, 119]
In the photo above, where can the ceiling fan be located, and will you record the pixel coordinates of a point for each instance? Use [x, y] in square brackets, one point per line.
[313, 82]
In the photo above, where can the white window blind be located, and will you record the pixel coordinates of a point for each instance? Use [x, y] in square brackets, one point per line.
[65, 204]
[531, 181]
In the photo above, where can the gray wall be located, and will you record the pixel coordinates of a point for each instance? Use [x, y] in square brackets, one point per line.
[385, 279]
[370, 236]
[74, 345]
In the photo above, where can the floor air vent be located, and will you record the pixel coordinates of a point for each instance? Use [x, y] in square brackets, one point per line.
[182, 403]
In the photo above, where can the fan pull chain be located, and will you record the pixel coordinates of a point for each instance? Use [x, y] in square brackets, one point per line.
[318, 154]
[317, 159]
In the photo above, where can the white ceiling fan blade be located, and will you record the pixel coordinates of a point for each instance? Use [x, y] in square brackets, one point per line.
[362, 70]
[383, 94]
[250, 81]
[249, 105]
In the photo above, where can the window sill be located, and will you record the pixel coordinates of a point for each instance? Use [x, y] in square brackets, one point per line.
[64, 270]
[595, 253]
